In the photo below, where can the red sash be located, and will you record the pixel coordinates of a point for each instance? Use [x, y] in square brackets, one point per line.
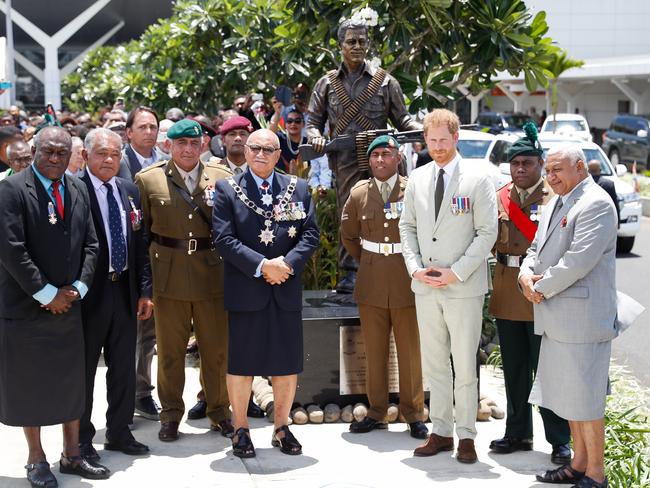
[526, 226]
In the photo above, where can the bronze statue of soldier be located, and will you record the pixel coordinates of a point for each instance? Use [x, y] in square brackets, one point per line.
[352, 99]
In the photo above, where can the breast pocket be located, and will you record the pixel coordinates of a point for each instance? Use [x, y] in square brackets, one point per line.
[368, 222]
[376, 110]
[162, 213]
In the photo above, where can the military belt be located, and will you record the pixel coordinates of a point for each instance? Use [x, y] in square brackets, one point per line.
[189, 245]
[509, 260]
[384, 248]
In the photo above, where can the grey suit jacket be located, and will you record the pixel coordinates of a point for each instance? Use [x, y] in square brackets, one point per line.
[461, 242]
[575, 252]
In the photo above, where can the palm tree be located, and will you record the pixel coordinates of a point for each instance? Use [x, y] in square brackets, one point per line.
[558, 64]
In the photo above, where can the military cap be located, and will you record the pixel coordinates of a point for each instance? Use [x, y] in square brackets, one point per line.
[528, 145]
[237, 122]
[383, 141]
[205, 127]
[184, 128]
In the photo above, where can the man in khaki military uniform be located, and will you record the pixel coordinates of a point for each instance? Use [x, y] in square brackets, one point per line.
[177, 199]
[520, 206]
[370, 233]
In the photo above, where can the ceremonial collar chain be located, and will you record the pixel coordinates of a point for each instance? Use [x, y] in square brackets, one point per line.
[266, 236]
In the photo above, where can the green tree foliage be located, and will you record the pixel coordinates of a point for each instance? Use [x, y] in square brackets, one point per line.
[211, 50]
[558, 63]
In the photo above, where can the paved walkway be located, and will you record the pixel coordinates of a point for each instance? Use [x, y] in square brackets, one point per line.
[332, 457]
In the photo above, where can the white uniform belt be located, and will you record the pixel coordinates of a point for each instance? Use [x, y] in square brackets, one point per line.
[384, 248]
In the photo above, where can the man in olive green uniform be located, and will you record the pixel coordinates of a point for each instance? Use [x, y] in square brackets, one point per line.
[177, 199]
[370, 233]
[520, 206]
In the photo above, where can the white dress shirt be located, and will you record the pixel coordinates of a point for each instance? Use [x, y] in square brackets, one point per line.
[101, 192]
[146, 162]
[449, 168]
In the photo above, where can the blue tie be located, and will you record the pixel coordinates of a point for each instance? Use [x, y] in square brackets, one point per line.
[118, 247]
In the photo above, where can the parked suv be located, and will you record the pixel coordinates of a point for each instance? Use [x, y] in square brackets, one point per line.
[628, 140]
[497, 123]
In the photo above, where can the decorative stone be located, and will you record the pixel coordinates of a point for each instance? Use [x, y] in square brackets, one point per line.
[497, 412]
[315, 413]
[484, 412]
[346, 414]
[392, 413]
[299, 416]
[359, 411]
[332, 413]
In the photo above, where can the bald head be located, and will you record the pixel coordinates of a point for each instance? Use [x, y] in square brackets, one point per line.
[19, 156]
[594, 167]
[262, 152]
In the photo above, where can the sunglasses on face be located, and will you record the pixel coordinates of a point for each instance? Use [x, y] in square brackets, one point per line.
[294, 121]
[267, 150]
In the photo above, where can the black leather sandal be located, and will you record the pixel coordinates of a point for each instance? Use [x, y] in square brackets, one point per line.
[562, 475]
[287, 444]
[242, 445]
[40, 476]
[587, 482]
[83, 467]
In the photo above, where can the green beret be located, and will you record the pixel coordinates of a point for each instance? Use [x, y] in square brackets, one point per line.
[383, 141]
[184, 128]
[526, 146]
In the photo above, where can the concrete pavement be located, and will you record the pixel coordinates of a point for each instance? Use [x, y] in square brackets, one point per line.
[332, 457]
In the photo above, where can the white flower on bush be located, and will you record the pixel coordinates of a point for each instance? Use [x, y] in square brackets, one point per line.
[172, 91]
[367, 16]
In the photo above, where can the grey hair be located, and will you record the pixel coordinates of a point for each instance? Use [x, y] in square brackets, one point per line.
[89, 141]
[571, 151]
[350, 24]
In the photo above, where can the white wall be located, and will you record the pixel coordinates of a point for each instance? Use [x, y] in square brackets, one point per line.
[597, 28]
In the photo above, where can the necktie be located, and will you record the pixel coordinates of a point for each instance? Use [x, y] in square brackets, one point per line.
[440, 191]
[556, 210]
[189, 183]
[385, 191]
[522, 196]
[238, 170]
[118, 246]
[57, 197]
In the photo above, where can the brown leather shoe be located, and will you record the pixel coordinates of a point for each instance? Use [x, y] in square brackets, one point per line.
[168, 431]
[466, 452]
[434, 445]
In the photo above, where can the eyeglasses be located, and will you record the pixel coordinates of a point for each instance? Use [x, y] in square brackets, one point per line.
[294, 121]
[267, 150]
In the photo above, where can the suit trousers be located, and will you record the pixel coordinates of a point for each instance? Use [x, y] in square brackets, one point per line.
[110, 324]
[520, 353]
[376, 326]
[450, 326]
[144, 350]
[174, 320]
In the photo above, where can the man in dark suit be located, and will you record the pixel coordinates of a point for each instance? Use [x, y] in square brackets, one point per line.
[142, 131]
[606, 184]
[120, 291]
[47, 259]
[264, 227]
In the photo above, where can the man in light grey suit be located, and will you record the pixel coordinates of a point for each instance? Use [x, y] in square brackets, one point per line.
[448, 227]
[570, 276]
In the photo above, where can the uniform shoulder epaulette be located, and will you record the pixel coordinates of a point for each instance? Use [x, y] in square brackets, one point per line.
[158, 164]
[214, 162]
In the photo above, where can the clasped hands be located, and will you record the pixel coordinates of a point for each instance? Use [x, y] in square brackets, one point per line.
[62, 302]
[436, 277]
[276, 271]
[527, 283]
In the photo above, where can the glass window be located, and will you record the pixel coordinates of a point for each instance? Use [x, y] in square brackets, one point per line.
[473, 149]
[565, 125]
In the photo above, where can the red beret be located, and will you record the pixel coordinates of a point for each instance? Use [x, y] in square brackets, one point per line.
[237, 122]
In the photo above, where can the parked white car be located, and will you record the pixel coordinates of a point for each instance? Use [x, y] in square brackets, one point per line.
[629, 201]
[487, 151]
[567, 125]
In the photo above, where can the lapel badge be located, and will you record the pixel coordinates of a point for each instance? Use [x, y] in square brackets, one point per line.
[51, 213]
[563, 223]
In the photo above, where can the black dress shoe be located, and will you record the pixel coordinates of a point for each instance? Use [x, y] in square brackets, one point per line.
[129, 446]
[561, 454]
[40, 476]
[366, 425]
[87, 451]
[254, 410]
[225, 427]
[346, 284]
[418, 430]
[146, 407]
[84, 468]
[197, 411]
[511, 444]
